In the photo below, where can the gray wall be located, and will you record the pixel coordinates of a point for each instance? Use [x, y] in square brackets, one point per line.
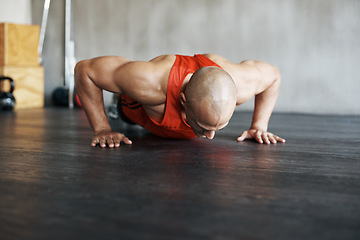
[53, 50]
[314, 43]
[15, 11]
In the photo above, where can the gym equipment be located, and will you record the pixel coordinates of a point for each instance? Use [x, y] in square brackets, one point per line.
[61, 98]
[70, 60]
[7, 100]
[43, 29]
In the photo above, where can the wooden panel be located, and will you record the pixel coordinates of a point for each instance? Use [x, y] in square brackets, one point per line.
[2, 44]
[29, 85]
[53, 185]
[19, 45]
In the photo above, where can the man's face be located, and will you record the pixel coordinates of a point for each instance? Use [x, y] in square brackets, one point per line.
[204, 122]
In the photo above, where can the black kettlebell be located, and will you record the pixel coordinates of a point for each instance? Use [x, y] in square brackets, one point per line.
[7, 100]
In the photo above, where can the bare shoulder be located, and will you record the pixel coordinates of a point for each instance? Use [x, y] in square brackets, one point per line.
[263, 72]
[146, 81]
[149, 69]
[163, 59]
[262, 67]
[250, 76]
[221, 61]
[234, 68]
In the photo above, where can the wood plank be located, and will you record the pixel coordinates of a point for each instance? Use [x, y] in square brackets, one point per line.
[29, 85]
[53, 185]
[2, 44]
[19, 45]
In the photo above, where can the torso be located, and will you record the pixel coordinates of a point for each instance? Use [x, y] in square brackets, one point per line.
[245, 82]
[166, 62]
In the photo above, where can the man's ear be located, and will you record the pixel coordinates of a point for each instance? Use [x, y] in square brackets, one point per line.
[183, 104]
[182, 99]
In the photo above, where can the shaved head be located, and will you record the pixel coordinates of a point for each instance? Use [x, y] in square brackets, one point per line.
[210, 97]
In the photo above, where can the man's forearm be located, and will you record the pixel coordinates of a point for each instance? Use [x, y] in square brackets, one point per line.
[91, 97]
[264, 105]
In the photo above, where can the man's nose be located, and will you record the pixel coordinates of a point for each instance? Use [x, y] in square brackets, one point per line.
[209, 134]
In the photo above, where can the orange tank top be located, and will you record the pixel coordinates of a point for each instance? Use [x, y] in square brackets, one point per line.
[172, 124]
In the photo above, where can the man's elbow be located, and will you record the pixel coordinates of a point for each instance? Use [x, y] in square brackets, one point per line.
[80, 71]
[276, 73]
[276, 77]
[80, 67]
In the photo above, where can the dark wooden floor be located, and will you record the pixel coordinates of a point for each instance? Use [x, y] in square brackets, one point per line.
[53, 185]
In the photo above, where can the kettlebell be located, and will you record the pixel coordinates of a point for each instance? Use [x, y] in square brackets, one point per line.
[7, 100]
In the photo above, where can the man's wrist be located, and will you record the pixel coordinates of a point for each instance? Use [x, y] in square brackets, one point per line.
[258, 127]
[100, 130]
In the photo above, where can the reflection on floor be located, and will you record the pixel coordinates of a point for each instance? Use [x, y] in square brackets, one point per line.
[53, 185]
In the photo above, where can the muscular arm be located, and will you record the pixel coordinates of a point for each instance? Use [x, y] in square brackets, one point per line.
[140, 80]
[266, 93]
[91, 77]
[266, 98]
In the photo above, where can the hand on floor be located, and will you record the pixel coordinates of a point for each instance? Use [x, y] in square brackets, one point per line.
[260, 136]
[109, 138]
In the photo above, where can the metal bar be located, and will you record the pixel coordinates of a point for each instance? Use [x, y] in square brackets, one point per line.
[43, 29]
[69, 55]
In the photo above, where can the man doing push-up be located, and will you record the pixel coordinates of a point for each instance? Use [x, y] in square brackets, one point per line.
[176, 96]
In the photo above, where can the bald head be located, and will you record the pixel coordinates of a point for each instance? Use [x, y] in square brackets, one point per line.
[211, 96]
